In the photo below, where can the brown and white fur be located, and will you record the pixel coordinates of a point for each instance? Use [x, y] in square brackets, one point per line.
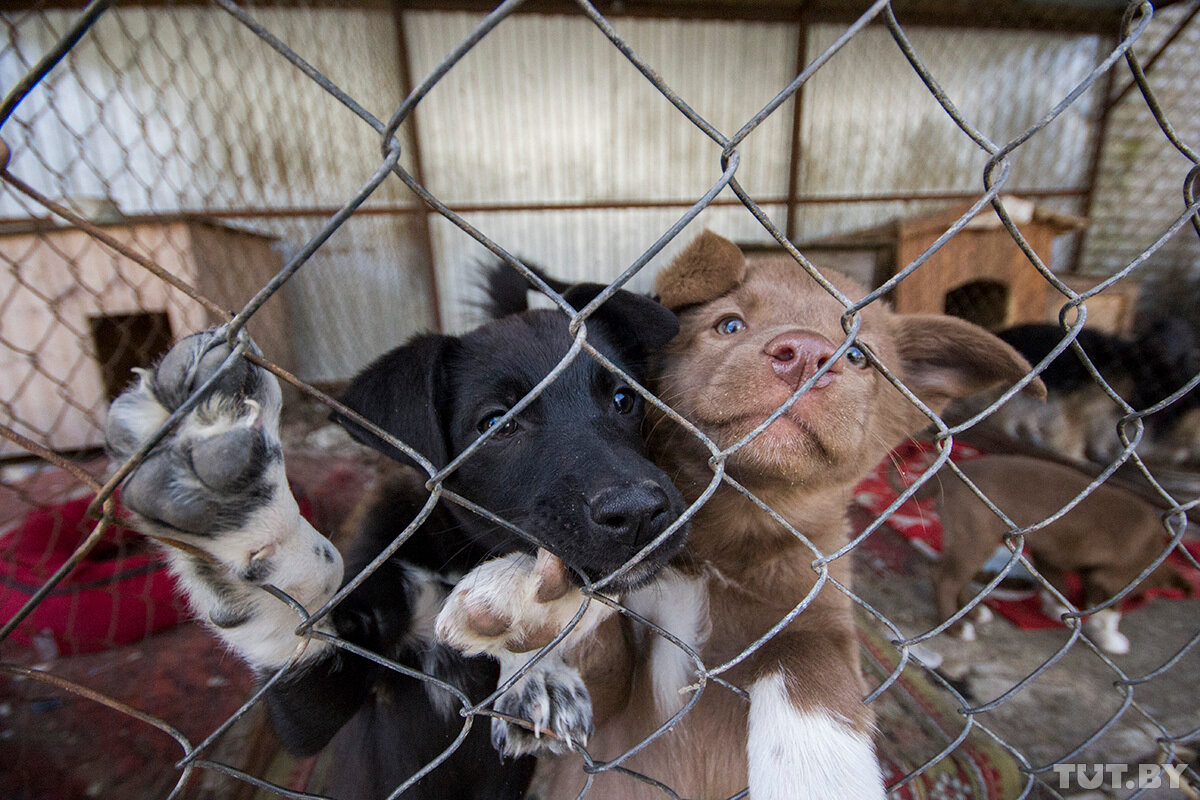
[804, 732]
[1108, 539]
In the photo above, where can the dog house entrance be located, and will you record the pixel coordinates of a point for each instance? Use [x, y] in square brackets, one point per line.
[125, 341]
[983, 302]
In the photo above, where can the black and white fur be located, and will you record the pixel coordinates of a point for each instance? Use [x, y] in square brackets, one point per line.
[570, 471]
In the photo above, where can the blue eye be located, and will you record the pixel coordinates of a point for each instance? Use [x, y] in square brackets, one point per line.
[731, 324]
[492, 420]
[856, 356]
[624, 400]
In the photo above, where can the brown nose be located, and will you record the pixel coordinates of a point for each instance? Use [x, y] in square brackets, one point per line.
[796, 355]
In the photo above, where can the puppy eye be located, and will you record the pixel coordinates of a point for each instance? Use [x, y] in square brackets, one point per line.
[856, 356]
[492, 420]
[731, 324]
[624, 400]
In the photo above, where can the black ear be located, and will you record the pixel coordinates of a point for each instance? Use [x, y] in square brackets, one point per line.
[404, 393]
[634, 322]
[505, 291]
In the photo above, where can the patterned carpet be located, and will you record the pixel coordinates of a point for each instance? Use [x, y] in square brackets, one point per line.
[917, 720]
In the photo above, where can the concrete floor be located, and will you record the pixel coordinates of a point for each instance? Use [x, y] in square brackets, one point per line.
[1049, 718]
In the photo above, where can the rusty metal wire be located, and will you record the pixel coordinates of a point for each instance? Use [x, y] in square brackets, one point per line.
[377, 172]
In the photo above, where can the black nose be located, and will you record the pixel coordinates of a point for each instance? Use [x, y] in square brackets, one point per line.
[632, 514]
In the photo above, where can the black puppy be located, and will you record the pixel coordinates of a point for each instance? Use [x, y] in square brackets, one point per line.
[569, 470]
[1080, 421]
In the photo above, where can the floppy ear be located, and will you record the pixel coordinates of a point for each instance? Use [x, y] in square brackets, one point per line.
[942, 358]
[404, 393]
[706, 269]
[637, 324]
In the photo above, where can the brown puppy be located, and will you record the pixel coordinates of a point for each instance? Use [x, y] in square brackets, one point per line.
[1109, 538]
[750, 337]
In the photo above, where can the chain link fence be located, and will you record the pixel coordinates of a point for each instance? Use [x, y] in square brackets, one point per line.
[78, 291]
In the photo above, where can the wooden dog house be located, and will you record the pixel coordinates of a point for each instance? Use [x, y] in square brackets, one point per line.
[77, 317]
[980, 274]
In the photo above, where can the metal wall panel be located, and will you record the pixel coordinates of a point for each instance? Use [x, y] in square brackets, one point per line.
[870, 126]
[1139, 184]
[546, 110]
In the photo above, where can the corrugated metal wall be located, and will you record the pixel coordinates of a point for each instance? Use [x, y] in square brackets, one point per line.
[546, 111]
[1139, 185]
[870, 126]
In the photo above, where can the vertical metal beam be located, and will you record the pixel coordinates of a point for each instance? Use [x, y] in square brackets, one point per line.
[423, 223]
[793, 190]
[1103, 113]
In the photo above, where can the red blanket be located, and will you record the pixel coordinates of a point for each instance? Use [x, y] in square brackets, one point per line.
[120, 593]
[918, 522]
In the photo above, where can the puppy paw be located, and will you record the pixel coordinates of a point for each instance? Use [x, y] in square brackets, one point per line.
[1051, 607]
[510, 608]
[1114, 642]
[965, 631]
[982, 614]
[552, 698]
[215, 487]
[213, 471]
[514, 604]
[1102, 627]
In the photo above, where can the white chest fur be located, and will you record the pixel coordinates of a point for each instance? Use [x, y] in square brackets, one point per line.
[679, 605]
[805, 755]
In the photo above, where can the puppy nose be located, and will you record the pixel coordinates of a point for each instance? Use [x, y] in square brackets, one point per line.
[796, 355]
[632, 514]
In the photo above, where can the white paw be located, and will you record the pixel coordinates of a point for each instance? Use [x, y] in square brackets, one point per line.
[514, 604]
[216, 486]
[1051, 607]
[982, 614]
[552, 698]
[1116, 643]
[1102, 627]
[510, 608]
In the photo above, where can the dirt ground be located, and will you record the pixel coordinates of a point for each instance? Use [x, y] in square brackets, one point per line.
[1049, 718]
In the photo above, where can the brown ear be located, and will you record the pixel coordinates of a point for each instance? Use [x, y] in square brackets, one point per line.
[706, 269]
[945, 357]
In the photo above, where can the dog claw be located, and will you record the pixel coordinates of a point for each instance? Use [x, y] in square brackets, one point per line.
[552, 698]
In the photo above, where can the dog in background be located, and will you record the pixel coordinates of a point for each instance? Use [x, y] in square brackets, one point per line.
[1108, 539]
[750, 337]
[570, 470]
[1079, 420]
